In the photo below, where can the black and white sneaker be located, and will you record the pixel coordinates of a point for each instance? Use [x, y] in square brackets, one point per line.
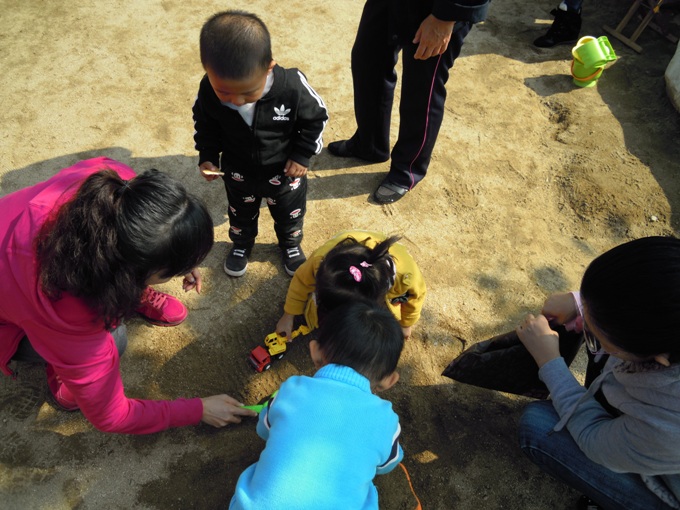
[237, 261]
[292, 259]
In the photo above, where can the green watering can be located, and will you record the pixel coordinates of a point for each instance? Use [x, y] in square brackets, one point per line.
[591, 55]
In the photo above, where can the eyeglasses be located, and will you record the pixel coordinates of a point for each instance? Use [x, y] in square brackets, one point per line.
[592, 343]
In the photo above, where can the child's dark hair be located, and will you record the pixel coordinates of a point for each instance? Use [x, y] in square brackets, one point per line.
[632, 294]
[104, 244]
[362, 336]
[235, 45]
[351, 270]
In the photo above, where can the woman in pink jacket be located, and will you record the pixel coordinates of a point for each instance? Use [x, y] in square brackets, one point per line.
[77, 255]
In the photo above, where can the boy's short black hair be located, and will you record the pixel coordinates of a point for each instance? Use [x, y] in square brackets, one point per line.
[363, 336]
[235, 45]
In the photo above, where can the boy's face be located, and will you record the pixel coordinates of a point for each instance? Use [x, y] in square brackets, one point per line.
[239, 92]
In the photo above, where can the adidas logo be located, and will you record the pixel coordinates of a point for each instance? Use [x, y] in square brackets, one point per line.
[281, 113]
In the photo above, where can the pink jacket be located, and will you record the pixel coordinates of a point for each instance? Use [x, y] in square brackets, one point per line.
[66, 332]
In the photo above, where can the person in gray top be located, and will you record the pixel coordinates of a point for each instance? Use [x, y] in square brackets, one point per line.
[617, 441]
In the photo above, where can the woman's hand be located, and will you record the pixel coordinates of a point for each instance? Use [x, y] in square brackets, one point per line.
[285, 325]
[542, 342]
[193, 280]
[221, 410]
[560, 307]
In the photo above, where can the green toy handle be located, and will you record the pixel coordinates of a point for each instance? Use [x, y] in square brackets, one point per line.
[259, 407]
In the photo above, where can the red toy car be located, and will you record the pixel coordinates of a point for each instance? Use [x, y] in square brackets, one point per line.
[261, 358]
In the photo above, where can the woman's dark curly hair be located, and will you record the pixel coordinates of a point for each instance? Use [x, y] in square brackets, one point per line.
[104, 244]
[336, 284]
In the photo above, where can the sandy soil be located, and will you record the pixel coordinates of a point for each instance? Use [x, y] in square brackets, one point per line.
[531, 178]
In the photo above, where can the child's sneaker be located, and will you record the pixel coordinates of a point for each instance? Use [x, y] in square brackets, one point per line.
[237, 261]
[292, 259]
[161, 309]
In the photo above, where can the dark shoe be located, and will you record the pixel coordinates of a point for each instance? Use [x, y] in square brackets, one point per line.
[237, 261]
[585, 503]
[60, 395]
[161, 309]
[388, 193]
[564, 30]
[293, 258]
[344, 149]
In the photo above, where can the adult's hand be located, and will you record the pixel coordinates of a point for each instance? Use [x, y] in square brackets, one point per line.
[221, 410]
[432, 37]
[285, 325]
[406, 331]
[542, 342]
[193, 280]
[560, 307]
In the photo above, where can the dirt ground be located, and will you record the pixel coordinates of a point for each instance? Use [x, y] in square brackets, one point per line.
[531, 178]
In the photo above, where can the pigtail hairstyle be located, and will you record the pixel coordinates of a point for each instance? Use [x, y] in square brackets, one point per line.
[351, 271]
[362, 336]
[632, 294]
[104, 244]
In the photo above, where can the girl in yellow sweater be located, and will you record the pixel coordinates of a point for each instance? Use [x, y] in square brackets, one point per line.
[355, 265]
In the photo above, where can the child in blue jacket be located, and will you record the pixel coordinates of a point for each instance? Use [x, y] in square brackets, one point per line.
[329, 435]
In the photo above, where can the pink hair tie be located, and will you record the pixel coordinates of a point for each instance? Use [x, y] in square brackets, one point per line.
[365, 264]
[356, 273]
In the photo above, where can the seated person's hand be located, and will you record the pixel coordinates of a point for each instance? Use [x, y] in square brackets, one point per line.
[542, 342]
[560, 307]
[293, 169]
[221, 410]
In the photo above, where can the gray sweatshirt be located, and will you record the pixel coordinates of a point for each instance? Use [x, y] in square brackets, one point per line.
[645, 439]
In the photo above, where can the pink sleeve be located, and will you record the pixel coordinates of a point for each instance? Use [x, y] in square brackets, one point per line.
[94, 376]
[89, 366]
[576, 324]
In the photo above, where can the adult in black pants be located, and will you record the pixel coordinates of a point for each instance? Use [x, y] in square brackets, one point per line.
[431, 35]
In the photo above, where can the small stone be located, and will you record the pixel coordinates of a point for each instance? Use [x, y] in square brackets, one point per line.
[653, 218]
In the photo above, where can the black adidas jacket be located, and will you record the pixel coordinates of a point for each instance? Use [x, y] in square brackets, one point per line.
[288, 124]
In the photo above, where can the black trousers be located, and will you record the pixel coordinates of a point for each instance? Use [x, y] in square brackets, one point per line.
[286, 198]
[423, 93]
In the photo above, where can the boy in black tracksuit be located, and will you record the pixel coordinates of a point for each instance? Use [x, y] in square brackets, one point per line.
[266, 122]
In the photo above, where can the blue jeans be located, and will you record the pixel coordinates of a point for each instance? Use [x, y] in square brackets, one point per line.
[557, 454]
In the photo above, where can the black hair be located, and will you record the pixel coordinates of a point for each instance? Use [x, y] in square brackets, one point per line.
[104, 244]
[349, 261]
[362, 336]
[235, 45]
[632, 294]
